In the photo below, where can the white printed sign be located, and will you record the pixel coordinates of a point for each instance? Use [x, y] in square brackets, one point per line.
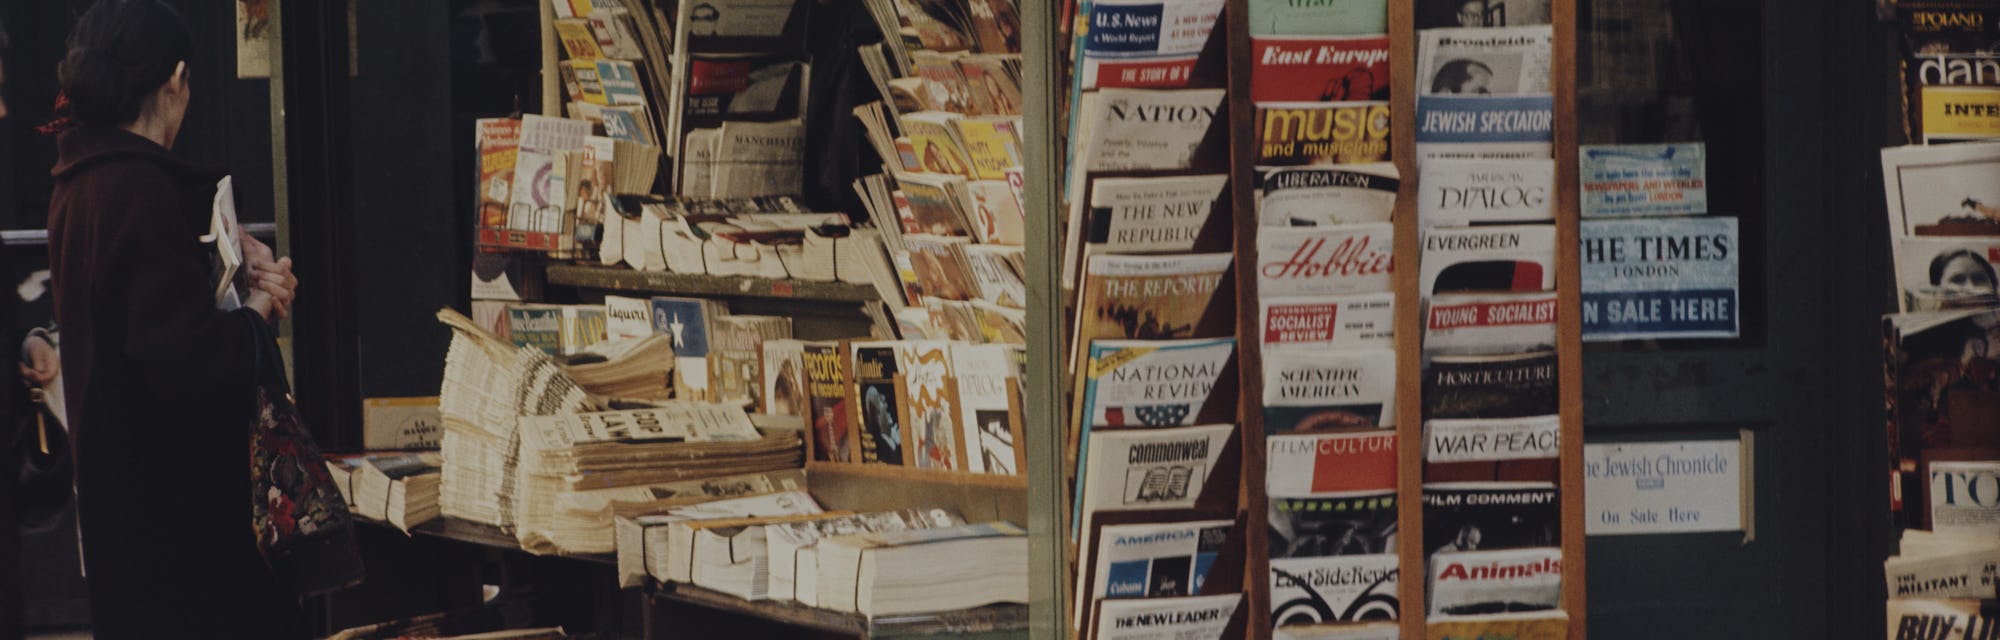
[1664, 487]
[1654, 278]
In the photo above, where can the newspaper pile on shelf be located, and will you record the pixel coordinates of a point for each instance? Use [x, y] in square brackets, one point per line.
[398, 488]
[668, 442]
[489, 385]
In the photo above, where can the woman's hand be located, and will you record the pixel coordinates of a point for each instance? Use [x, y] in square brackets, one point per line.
[42, 363]
[270, 279]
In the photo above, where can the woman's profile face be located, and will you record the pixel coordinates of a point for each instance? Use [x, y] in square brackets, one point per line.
[1965, 275]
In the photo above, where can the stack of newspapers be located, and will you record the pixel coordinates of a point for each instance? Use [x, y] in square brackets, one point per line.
[917, 571]
[657, 544]
[489, 384]
[401, 489]
[638, 367]
[584, 519]
[1939, 581]
[782, 546]
[563, 456]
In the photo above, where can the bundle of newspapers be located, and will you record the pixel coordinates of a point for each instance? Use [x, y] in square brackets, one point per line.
[783, 546]
[1939, 581]
[562, 456]
[400, 488]
[489, 384]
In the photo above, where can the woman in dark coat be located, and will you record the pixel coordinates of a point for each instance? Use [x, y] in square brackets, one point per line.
[159, 382]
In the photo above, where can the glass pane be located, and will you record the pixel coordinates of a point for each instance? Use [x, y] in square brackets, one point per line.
[1683, 71]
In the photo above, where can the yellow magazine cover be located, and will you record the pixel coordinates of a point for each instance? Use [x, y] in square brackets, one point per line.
[587, 85]
[934, 145]
[1322, 133]
[990, 146]
[1540, 625]
[577, 39]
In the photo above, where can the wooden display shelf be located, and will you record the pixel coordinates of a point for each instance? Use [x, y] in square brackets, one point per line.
[666, 283]
[484, 535]
[894, 473]
[995, 621]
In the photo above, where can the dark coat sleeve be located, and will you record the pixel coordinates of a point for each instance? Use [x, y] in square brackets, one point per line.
[188, 351]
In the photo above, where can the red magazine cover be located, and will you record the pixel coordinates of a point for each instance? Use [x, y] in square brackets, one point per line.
[1319, 69]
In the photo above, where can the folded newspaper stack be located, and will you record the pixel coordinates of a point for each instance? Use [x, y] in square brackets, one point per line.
[639, 368]
[1944, 566]
[915, 571]
[794, 547]
[401, 489]
[765, 237]
[668, 442]
[651, 545]
[586, 519]
[342, 469]
[489, 384]
[730, 555]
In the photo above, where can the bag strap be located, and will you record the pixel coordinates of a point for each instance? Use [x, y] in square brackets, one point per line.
[268, 360]
[42, 432]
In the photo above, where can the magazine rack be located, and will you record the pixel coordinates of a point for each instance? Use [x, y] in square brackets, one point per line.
[1232, 148]
[1409, 322]
[1045, 163]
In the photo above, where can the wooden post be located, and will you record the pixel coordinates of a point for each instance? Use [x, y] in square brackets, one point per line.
[1569, 320]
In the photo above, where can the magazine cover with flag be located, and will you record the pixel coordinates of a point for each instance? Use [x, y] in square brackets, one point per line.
[1151, 383]
[1145, 43]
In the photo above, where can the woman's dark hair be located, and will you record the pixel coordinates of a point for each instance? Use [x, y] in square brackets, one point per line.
[1938, 264]
[119, 53]
[1453, 75]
